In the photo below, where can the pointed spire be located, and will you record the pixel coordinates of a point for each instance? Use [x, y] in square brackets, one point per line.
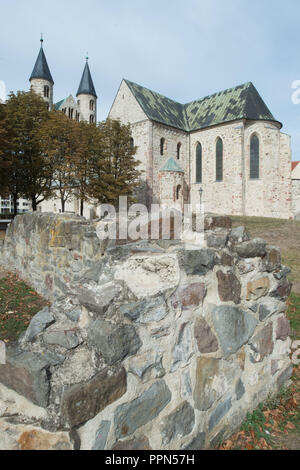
[86, 85]
[41, 69]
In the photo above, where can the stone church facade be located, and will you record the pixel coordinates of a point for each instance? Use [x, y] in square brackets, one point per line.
[228, 144]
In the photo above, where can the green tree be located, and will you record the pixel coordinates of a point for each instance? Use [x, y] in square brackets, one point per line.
[113, 168]
[60, 139]
[28, 173]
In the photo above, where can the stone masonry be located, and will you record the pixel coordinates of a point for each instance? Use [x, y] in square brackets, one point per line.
[146, 345]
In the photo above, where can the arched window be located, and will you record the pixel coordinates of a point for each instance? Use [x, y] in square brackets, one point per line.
[131, 142]
[254, 157]
[199, 163]
[178, 192]
[219, 160]
[91, 119]
[71, 110]
[92, 105]
[46, 91]
[178, 150]
[162, 146]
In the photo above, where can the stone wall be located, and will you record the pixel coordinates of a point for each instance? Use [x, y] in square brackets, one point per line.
[148, 345]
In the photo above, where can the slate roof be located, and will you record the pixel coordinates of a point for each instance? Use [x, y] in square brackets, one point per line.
[172, 165]
[41, 69]
[241, 102]
[86, 85]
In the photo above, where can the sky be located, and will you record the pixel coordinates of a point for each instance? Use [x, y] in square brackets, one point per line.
[183, 49]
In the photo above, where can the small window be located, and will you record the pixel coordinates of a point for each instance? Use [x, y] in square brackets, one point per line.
[254, 157]
[91, 119]
[132, 142]
[219, 160]
[92, 105]
[178, 192]
[162, 146]
[199, 163]
[71, 111]
[178, 150]
[46, 91]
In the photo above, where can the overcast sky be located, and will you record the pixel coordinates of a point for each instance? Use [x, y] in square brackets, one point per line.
[184, 49]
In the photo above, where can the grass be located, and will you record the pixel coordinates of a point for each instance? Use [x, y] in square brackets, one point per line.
[18, 304]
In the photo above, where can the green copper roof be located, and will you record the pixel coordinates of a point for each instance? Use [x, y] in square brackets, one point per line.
[241, 102]
[58, 105]
[172, 165]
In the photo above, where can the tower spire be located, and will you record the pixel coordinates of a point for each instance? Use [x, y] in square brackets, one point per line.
[42, 39]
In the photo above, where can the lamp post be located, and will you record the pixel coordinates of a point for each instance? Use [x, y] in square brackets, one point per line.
[200, 193]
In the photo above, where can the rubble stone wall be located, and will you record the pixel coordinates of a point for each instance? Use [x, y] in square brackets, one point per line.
[149, 345]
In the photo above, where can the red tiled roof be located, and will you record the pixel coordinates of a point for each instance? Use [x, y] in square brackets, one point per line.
[294, 164]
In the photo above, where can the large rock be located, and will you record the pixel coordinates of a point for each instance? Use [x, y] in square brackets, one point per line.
[146, 311]
[198, 443]
[272, 260]
[189, 296]
[147, 365]
[38, 324]
[217, 240]
[258, 288]
[220, 411]
[66, 339]
[206, 339]
[147, 276]
[283, 290]
[114, 342]
[283, 329]
[212, 221]
[229, 287]
[137, 443]
[206, 373]
[82, 402]
[252, 248]
[233, 326]
[178, 423]
[182, 350]
[268, 307]
[197, 262]
[101, 435]
[131, 416]
[262, 344]
[98, 298]
[285, 376]
[238, 235]
[28, 437]
[27, 373]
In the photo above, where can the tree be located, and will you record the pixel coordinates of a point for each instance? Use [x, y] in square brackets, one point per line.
[89, 151]
[113, 168]
[60, 139]
[28, 173]
[4, 163]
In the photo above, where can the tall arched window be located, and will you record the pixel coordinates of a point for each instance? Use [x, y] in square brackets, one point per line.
[219, 160]
[132, 142]
[199, 163]
[254, 157]
[162, 146]
[91, 119]
[178, 192]
[92, 105]
[178, 150]
[46, 91]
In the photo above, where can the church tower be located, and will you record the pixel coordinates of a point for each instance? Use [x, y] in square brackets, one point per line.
[41, 80]
[86, 96]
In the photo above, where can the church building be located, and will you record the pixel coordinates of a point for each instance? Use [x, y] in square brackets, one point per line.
[226, 148]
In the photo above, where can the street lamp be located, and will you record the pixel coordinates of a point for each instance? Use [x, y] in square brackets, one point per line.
[200, 193]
